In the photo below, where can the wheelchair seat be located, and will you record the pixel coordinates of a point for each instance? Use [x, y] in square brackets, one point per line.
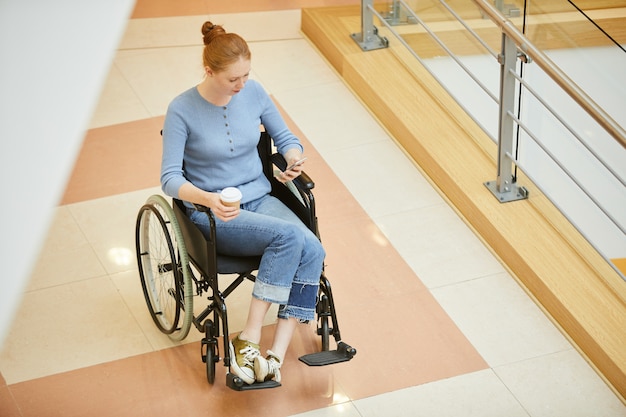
[234, 265]
[199, 249]
[177, 261]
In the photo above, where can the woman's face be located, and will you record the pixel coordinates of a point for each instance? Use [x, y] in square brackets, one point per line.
[231, 80]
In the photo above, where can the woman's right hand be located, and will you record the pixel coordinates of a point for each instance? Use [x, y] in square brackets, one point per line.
[191, 193]
[221, 211]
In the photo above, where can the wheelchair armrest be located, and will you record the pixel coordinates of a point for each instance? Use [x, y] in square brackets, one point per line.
[209, 213]
[303, 181]
[201, 208]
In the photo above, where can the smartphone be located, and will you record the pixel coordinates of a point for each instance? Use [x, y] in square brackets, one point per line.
[295, 164]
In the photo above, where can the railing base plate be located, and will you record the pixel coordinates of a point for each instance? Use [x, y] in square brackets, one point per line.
[370, 43]
[515, 193]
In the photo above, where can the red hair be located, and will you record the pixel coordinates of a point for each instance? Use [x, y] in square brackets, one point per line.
[221, 49]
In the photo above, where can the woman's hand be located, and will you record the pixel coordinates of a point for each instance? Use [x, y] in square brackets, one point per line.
[291, 157]
[190, 192]
[220, 210]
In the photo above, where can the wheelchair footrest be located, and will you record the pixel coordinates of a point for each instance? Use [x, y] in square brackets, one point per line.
[234, 382]
[343, 353]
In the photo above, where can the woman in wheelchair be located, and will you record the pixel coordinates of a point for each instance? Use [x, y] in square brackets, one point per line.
[210, 138]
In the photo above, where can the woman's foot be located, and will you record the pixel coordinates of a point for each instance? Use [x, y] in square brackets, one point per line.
[267, 368]
[242, 359]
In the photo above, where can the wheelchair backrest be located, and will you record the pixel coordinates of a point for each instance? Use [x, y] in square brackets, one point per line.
[265, 153]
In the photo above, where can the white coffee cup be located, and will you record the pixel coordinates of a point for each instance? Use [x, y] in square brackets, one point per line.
[231, 196]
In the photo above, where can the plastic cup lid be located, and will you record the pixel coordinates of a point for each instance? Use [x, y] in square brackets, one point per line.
[230, 194]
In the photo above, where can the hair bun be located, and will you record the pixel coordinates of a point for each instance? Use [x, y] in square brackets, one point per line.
[210, 31]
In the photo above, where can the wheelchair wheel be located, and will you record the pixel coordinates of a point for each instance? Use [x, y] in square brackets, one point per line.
[210, 357]
[323, 327]
[164, 268]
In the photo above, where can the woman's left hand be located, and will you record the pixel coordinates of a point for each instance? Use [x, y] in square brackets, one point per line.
[292, 173]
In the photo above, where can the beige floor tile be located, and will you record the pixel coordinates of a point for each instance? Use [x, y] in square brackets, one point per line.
[159, 32]
[331, 117]
[440, 248]
[172, 69]
[383, 179]
[478, 394]
[159, 75]
[118, 102]
[287, 65]
[560, 385]
[500, 320]
[68, 327]
[340, 410]
[185, 31]
[66, 256]
[257, 27]
[108, 224]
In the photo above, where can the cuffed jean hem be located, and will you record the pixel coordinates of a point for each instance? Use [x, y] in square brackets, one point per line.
[270, 293]
[303, 315]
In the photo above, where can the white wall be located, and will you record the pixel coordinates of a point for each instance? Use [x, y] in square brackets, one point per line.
[55, 56]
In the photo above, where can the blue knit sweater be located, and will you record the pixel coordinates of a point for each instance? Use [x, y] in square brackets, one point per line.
[215, 147]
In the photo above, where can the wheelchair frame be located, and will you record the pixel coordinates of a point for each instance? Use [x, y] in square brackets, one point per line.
[174, 258]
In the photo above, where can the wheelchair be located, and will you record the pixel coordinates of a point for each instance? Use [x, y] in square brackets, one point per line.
[176, 261]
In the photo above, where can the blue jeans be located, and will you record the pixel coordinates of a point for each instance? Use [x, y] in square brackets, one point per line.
[292, 256]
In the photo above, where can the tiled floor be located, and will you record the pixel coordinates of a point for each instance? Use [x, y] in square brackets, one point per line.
[440, 327]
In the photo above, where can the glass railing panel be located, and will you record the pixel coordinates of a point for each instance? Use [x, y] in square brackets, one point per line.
[573, 159]
[464, 65]
[587, 40]
[575, 162]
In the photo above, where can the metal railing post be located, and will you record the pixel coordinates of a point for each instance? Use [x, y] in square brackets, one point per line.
[368, 39]
[504, 187]
[509, 10]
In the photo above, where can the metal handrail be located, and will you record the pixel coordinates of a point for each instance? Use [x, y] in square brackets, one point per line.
[514, 46]
[558, 76]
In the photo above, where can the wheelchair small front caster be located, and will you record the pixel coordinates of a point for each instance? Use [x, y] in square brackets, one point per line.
[324, 330]
[210, 356]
